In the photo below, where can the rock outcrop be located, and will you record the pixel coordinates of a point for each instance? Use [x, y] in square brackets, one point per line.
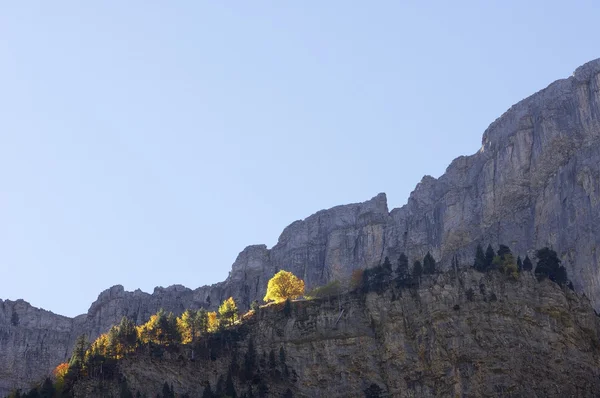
[32, 342]
[466, 334]
[535, 182]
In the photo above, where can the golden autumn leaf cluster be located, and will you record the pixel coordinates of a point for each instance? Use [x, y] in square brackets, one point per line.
[284, 285]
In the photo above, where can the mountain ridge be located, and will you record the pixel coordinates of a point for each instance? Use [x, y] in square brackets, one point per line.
[535, 182]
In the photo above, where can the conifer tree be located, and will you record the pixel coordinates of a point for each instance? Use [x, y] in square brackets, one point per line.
[272, 362]
[374, 391]
[127, 334]
[519, 263]
[282, 355]
[548, 266]
[113, 348]
[376, 278]
[78, 355]
[364, 281]
[560, 276]
[207, 393]
[479, 263]
[166, 391]
[157, 327]
[229, 387]
[125, 392]
[168, 333]
[417, 271]
[47, 390]
[387, 265]
[489, 257]
[386, 272]
[402, 271]
[220, 388]
[527, 264]
[202, 321]
[428, 264]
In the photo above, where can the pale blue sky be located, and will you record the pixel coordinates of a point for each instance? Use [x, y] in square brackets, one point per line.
[147, 143]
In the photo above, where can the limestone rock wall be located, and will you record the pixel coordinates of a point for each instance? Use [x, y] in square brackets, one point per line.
[32, 342]
[534, 183]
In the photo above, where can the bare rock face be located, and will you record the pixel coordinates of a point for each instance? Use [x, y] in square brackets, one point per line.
[32, 342]
[535, 182]
[325, 246]
[115, 303]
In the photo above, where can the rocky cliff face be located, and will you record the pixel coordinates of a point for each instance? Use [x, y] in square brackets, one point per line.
[32, 341]
[535, 182]
[467, 334]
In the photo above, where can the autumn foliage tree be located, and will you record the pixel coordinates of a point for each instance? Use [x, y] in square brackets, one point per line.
[60, 371]
[122, 338]
[284, 285]
[229, 311]
[160, 329]
[192, 324]
[59, 374]
[213, 321]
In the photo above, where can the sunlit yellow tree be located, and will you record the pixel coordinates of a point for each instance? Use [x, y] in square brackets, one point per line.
[98, 347]
[228, 311]
[192, 324]
[213, 322]
[148, 332]
[161, 328]
[284, 285]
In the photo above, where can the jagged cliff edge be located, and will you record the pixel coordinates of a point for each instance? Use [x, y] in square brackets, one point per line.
[535, 182]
